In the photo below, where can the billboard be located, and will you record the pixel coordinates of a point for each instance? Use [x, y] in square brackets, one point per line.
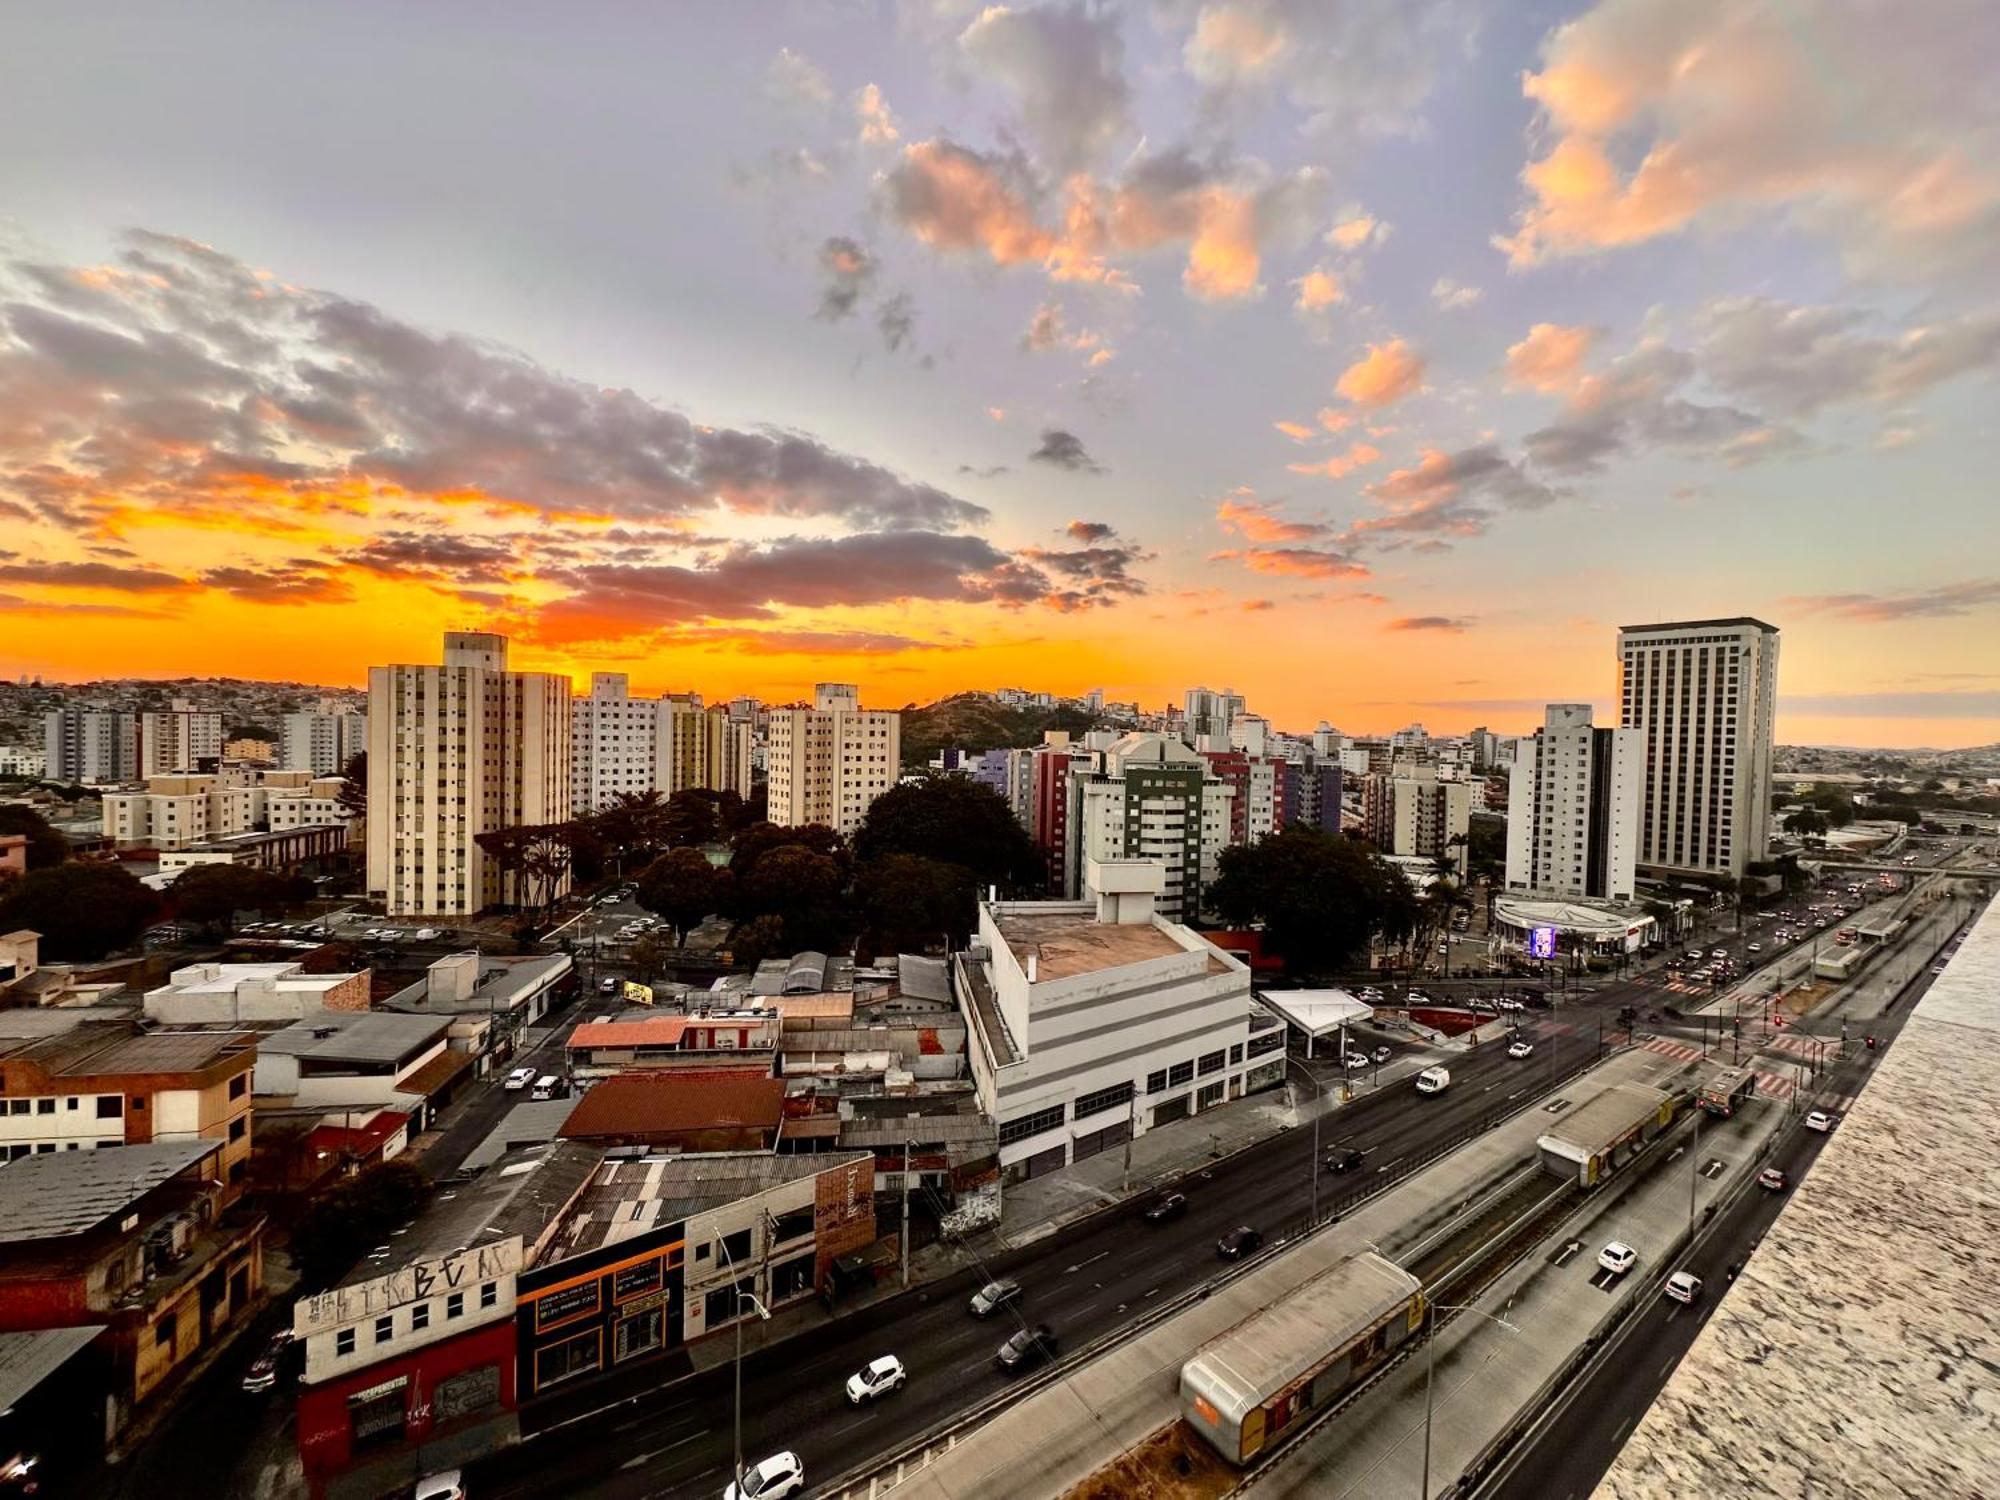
[1541, 942]
[638, 994]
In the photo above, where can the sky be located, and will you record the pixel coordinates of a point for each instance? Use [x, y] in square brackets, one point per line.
[1377, 359]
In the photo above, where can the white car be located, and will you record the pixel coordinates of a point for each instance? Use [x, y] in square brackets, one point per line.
[1357, 1060]
[1507, 1002]
[1683, 1286]
[1521, 1049]
[878, 1379]
[1617, 1257]
[780, 1474]
[428, 934]
[520, 1078]
[1755, 948]
[443, 1485]
[1820, 1120]
[1417, 997]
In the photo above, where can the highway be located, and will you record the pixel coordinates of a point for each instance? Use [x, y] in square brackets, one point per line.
[1085, 1281]
[1568, 1452]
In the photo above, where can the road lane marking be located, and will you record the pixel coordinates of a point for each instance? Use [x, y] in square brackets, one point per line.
[1067, 1270]
[639, 1461]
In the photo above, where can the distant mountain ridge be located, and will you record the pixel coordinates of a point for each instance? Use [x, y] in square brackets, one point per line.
[973, 721]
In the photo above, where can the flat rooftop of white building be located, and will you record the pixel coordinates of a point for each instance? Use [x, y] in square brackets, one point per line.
[224, 979]
[1065, 944]
[1856, 1353]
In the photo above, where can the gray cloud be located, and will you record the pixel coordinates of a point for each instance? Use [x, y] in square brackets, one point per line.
[1064, 65]
[1634, 407]
[1090, 532]
[1446, 496]
[91, 575]
[1429, 622]
[301, 582]
[1064, 450]
[846, 268]
[1969, 597]
[896, 320]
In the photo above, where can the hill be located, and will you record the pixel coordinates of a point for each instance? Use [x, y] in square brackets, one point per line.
[973, 721]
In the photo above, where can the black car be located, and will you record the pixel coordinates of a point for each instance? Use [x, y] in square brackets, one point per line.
[1172, 1206]
[272, 1365]
[1342, 1159]
[1238, 1243]
[1028, 1348]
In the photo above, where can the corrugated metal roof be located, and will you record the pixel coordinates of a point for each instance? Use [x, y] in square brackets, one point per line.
[27, 1359]
[66, 1192]
[662, 1104]
[654, 1031]
[1591, 1127]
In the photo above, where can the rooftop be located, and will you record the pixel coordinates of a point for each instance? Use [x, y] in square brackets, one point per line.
[67, 1192]
[1068, 943]
[27, 1359]
[1593, 1125]
[628, 1198]
[223, 979]
[667, 1104]
[356, 1036]
[1733, 620]
[653, 1031]
[115, 1045]
[1854, 1354]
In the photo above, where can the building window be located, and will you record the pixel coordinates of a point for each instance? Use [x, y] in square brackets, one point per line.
[385, 1329]
[1099, 1100]
[420, 1317]
[45, 1106]
[1179, 1074]
[238, 1084]
[343, 1342]
[236, 1128]
[454, 1305]
[1211, 1062]
[489, 1294]
[1031, 1124]
[571, 1357]
[1236, 1054]
[20, 1106]
[638, 1334]
[1156, 1082]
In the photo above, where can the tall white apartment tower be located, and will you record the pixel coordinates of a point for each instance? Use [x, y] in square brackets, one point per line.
[178, 739]
[321, 741]
[1209, 715]
[1704, 693]
[90, 745]
[611, 736]
[455, 751]
[829, 763]
[1573, 808]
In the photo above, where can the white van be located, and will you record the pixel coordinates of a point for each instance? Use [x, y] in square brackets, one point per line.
[1433, 1080]
[546, 1086]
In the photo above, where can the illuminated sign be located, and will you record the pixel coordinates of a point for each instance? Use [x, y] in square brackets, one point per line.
[1541, 942]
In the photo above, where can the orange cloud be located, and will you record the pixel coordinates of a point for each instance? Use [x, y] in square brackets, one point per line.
[1333, 419]
[1298, 432]
[1296, 562]
[1341, 464]
[1222, 258]
[1318, 290]
[1231, 44]
[1256, 521]
[1355, 230]
[1550, 358]
[878, 126]
[1385, 375]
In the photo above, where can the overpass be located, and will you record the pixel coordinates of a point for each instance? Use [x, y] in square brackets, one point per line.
[1859, 862]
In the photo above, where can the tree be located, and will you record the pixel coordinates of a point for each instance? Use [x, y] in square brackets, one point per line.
[755, 840]
[751, 942]
[1319, 898]
[682, 887]
[646, 957]
[545, 863]
[907, 903]
[340, 1225]
[692, 816]
[213, 894]
[353, 796]
[954, 820]
[1809, 823]
[630, 825]
[804, 890]
[244, 729]
[83, 910]
[46, 845]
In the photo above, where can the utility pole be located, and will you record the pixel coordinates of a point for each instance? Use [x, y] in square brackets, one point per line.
[1131, 1129]
[908, 1146]
[1694, 1167]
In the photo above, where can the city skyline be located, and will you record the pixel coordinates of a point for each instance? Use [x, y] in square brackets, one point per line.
[1379, 365]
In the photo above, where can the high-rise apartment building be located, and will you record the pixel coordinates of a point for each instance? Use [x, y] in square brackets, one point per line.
[680, 744]
[90, 745]
[731, 752]
[1409, 811]
[1148, 797]
[454, 751]
[178, 740]
[1573, 808]
[321, 741]
[1209, 715]
[611, 743]
[1704, 693]
[829, 763]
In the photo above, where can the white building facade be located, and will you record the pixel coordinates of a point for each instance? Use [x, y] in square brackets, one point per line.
[1573, 808]
[92, 746]
[456, 750]
[178, 740]
[611, 735]
[321, 742]
[829, 763]
[1703, 693]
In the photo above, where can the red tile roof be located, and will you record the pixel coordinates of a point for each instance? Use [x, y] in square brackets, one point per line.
[656, 1031]
[665, 1104]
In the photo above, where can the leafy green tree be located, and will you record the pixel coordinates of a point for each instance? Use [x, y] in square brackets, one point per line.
[213, 894]
[646, 957]
[754, 940]
[1320, 899]
[954, 820]
[682, 888]
[353, 797]
[907, 903]
[694, 816]
[755, 840]
[804, 890]
[1808, 823]
[82, 909]
[46, 845]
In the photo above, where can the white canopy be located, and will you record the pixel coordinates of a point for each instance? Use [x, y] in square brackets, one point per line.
[1317, 1013]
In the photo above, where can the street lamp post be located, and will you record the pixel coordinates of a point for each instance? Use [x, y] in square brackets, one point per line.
[1319, 1096]
[764, 1313]
[1430, 1369]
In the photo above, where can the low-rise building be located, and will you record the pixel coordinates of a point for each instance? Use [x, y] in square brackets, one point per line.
[680, 1111]
[106, 1083]
[510, 992]
[342, 1060]
[222, 994]
[744, 1040]
[1095, 1020]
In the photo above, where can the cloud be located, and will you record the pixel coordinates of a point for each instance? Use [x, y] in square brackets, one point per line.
[441, 557]
[1384, 376]
[1356, 229]
[1089, 532]
[1318, 290]
[1298, 432]
[1941, 705]
[1064, 66]
[791, 80]
[896, 321]
[1550, 358]
[1798, 360]
[1295, 562]
[848, 269]
[188, 384]
[1429, 622]
[1255, 606]
[1446, 497]
[1048, 331]
[303, 581]
[1451, 296]
[1257, 520]
[1634, 406]
[1064, 450]
[1340, 465]
[1972, 596]
[1358, 73]
[1089, 575]
[1840, 119]
[91, 575]
[878, 126]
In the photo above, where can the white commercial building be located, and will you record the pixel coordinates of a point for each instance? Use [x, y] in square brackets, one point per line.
[321, 742]
[829, 763]
[1091, 1021]
[1573, 808]
[612, 743]
[1704, 693]
[22, 760]
[454, 751]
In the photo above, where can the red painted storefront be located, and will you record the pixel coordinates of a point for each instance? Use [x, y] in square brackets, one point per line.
[437, 1389]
